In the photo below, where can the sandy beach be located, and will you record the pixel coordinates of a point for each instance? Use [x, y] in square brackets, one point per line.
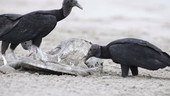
[101, 21]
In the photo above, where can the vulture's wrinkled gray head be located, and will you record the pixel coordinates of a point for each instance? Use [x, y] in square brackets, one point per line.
[72, 3]
[27, 45]
[94, 51]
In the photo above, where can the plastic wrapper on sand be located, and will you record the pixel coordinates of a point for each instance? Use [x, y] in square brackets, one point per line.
[67, 57]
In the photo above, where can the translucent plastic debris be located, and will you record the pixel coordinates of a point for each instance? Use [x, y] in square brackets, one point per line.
[68, 57]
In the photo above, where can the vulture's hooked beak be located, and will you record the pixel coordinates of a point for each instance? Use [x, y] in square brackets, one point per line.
[79, 6]
[86, 58]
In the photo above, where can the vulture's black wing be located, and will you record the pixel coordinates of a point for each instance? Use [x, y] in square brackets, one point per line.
[7, 22]
[136, 42]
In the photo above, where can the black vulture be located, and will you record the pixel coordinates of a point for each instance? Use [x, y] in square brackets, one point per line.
[7, 22]
[131, 53]
[34, 26]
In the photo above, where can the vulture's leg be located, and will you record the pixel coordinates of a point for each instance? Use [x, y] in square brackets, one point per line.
[38, 52]
[4, 47]
[134, 70]
[12, 47]
[125, 70]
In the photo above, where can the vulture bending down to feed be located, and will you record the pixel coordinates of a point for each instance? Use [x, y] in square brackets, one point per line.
[33, 26]
[131, 53]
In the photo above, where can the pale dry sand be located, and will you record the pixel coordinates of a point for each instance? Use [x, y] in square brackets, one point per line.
[101, 21]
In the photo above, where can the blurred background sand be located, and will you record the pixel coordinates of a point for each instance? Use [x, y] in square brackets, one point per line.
[101, 21]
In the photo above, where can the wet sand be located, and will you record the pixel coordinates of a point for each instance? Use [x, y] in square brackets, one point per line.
[100, 22]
